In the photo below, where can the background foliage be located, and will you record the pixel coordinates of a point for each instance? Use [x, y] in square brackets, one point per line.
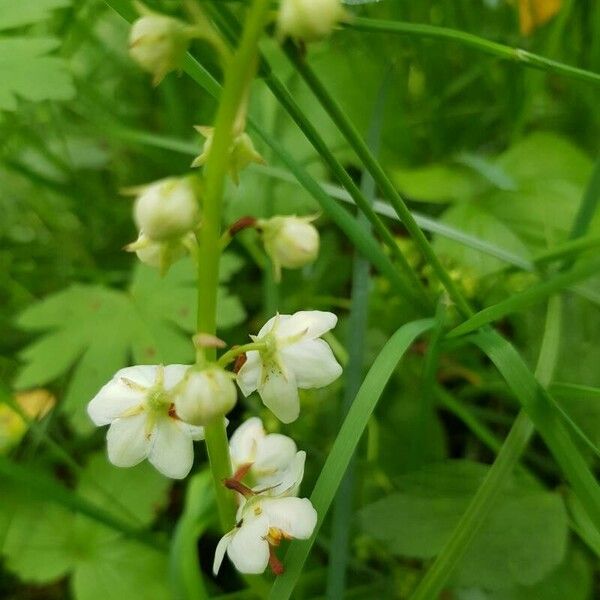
[477, 145]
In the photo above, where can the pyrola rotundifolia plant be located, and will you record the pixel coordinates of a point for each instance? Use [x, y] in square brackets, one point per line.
[156, 412]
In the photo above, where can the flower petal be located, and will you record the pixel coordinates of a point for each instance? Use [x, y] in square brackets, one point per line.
[173, 374]
[296, 517]
[312, 363]
[248, 548]
[127, 440]
[285, 482]
[122, 393]
[249, 374]
[173, 451]
[279, 392]
[220, 551]
[274, 454]
[273, 322]
[305, 325]
[194, 431]
[245, 440]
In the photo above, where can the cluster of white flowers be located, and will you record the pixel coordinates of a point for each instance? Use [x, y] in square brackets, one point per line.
[156, 412]
[269, 511]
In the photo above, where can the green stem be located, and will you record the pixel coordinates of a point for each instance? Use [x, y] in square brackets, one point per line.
[238, 75]
[229, 26]
[506, 460]
[232, 354]
[518, 55]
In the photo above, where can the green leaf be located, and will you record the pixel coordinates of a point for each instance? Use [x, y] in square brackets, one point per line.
[436, 183]
[345, 445]
[120, 569]
[546, 155]
[472, 219]
[551, 174]
[36, 545]
[27, 72]
[97, 330]
[572, 579]
[25, 12]
[39, 486]
[522, 541]
[138, 491]
[45, 543]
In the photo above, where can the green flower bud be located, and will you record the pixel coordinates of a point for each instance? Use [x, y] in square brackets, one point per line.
[291, 242]
[158, 44]
[160, 255]
[167, 209]
[205, 395]
[308, 20]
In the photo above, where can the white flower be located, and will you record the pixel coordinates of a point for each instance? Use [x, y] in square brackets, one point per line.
[262, 522]
[167, 209]
[308, 20]
[277, 465]
[158, 43]
[205, 395]
[241, 153]
[294, 357]
[291, 242]
[137, 405]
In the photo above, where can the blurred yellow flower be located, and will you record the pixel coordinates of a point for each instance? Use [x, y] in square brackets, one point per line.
[534, 13]
[35, 404]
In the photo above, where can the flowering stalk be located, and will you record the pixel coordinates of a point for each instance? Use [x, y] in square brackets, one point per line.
[238, 75]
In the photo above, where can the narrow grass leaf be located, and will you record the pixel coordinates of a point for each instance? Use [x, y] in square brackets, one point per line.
[345, 445]
[546, 418]
[518, 55]
[536, 293]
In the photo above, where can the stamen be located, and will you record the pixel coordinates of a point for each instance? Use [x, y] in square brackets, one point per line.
[238, 486]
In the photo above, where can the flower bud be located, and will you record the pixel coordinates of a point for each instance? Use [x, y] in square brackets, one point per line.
[291, 242]
[242, 152]
[158, 43]
[308, 20]
[160, 255]
[167, 209]
[205, 395]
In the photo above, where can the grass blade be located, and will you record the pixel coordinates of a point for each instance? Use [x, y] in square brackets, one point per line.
[546, 418]
[504, 464]
[345, 445]
[518, 55]
[536, 293]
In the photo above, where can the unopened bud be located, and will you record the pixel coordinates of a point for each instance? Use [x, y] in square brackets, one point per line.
[160, 255]
[308, 20]
[291, 242]
[158, 43]
[167, 209]
[242, 152]
[205, 395]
